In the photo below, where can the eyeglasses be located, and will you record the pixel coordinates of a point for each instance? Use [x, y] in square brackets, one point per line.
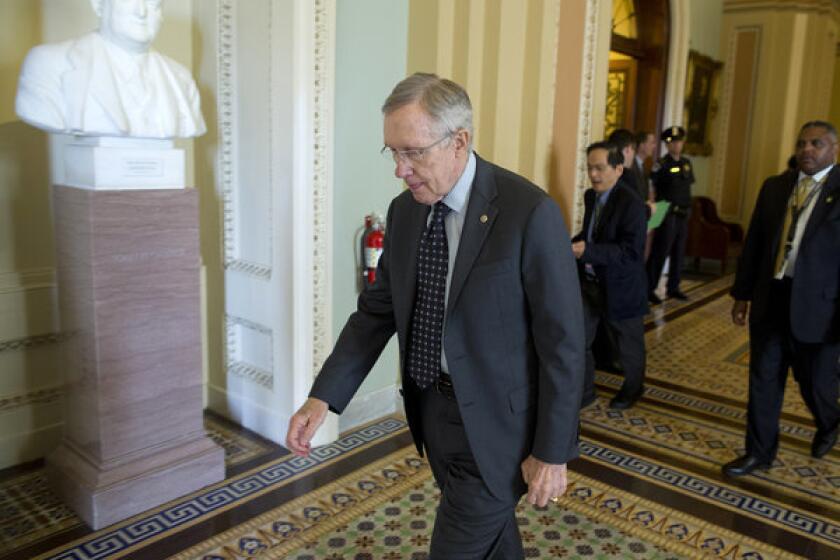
[414, 155]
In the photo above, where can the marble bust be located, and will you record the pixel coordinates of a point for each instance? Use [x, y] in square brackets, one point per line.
[110, 82]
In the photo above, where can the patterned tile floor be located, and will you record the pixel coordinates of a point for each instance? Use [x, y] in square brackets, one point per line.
[399, 528]
[31, 512]
[388, 510]
[647, 485]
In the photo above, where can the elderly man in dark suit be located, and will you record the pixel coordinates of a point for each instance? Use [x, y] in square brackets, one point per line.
[789, 280]
[478, 281]
[610, 252]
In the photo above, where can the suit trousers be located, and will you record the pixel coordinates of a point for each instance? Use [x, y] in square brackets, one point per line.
[668, 241]
[773, 350]
[470, 523]
[628, 334]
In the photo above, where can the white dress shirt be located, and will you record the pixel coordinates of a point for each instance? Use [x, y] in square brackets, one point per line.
[458, 199]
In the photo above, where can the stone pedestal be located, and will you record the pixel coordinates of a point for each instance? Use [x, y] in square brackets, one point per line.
[128, 276]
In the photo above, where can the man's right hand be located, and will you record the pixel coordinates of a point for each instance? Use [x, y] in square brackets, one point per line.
[303, 425]
[739, 312]
[578, 248]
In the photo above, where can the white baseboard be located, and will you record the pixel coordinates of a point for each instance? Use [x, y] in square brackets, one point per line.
[270, 423]
[370, 406]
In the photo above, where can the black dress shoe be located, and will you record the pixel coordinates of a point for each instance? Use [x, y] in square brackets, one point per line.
[823, 443]
[676, 294]
[654, 299]
[623, 401]
[744, 465]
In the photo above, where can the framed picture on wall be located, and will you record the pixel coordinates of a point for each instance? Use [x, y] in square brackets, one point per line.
[700, 102]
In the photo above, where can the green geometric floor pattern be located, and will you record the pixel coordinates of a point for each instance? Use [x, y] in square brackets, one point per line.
[399, 529]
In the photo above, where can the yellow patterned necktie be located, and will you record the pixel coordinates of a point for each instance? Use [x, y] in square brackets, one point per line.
[785, 244]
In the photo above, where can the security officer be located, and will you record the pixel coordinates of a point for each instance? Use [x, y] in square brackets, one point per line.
[672, 177]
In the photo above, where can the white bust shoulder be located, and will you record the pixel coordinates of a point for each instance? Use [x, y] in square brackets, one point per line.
[110, 82]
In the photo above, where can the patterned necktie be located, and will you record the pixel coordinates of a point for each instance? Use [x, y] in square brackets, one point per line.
[593, 225]
[596, 217]
[786, 240]
[424, 339]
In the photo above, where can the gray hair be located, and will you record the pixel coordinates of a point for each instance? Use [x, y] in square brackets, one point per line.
[445, 101]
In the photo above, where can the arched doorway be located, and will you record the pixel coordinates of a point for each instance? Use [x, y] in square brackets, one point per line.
[638, 65]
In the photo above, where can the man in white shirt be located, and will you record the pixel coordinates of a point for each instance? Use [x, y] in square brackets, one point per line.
[789, 280]
[110, 82]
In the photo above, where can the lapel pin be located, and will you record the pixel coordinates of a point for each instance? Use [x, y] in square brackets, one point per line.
[483, 218]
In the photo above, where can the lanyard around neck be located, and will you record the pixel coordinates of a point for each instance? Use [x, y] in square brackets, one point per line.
[796, 210]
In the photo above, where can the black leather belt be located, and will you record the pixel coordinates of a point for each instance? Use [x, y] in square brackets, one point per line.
[443, 385]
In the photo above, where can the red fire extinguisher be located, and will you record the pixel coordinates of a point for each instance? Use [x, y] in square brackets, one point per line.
[373, 237]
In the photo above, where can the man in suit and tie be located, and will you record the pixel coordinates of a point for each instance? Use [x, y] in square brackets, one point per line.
[610, 252]
[788, 280]
[633, 175]
[481, 289]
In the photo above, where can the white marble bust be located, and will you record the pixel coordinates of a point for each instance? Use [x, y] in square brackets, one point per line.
[110, 82]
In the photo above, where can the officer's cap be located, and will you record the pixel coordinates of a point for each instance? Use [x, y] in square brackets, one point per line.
[673, 133]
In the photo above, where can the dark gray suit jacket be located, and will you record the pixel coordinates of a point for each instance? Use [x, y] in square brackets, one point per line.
[514, 326]
[617, 253]
[814, 303]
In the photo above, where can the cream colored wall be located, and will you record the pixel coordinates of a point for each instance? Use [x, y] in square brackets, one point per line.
[834, 110]
[30, 411]
[503, 53]
[23, 29]
[30, 372]
[795, 66]
[705, 18]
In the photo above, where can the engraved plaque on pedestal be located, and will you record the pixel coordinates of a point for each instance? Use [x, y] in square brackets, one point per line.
[102, 163]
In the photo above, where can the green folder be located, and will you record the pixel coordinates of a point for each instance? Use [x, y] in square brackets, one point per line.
[658, 215]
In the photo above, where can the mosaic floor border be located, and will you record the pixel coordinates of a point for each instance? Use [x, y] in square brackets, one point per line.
[685, 438]
[286, 529]
[697, 538]
[318, 514]
[146, 528]
[32, 512]
[794, 520]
